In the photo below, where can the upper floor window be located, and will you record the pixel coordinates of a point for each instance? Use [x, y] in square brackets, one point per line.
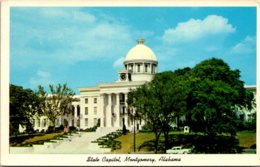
[138, 67]
[86, 110]
[146, 67]
[86, 100]
[95, 100]
[131, 67]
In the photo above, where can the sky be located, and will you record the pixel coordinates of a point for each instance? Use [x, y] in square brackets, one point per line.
[83, 46]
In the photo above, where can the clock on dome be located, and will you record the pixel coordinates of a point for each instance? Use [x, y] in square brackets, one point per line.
[123, 76]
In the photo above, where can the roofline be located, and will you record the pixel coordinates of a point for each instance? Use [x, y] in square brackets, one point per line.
[140, 61]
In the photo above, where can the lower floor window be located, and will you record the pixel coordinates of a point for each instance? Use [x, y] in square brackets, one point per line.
[86, 121]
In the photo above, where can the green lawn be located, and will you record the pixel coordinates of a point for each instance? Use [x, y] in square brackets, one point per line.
[127, 142]
[36, 139]
[246, 138]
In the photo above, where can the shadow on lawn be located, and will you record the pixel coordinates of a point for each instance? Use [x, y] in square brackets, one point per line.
[203, 144]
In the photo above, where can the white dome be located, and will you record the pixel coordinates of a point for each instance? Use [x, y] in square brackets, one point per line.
[140, 52]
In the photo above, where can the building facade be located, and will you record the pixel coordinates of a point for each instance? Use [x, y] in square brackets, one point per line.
[107, 102]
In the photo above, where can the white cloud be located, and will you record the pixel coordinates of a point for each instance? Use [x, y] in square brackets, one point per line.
[65, 35]
[119, 62]
[195, 29]
[247, 46]
[41, 78]
[60, 13]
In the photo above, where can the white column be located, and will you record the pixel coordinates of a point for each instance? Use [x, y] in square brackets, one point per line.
[102, 111]
[126, 110]
[108, 111]
[75, 115]
[117, 110]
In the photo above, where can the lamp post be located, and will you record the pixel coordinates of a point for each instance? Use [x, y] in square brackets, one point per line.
[134, 133]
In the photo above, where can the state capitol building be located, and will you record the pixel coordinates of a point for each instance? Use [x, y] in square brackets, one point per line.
[106, 103]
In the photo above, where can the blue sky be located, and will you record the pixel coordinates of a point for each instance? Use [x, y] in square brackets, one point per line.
[83, 46]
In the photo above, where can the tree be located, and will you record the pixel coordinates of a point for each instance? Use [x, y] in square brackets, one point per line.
[57, 102]
[161, 101]
[146, 106]
[24, 105]
[215, 92]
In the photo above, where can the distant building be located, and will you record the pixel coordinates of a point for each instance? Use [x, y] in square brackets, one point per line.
[245, 114]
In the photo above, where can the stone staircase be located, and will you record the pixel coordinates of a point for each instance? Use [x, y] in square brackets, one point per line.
[78, 143]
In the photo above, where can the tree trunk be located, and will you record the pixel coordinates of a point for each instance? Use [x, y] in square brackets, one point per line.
[157, 137]
[166, 139]
[156, 143]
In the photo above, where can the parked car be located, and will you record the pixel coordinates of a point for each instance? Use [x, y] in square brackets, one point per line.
[179, 150]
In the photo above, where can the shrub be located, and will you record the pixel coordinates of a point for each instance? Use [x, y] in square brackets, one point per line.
[50, 129]
[146, 128]
[60, 128]
[253, 146]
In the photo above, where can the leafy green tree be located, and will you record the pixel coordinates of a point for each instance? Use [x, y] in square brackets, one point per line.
[57, 102]
[161, 102]
[24, 105]
[215, 92]
[172, 91]
[146, 105]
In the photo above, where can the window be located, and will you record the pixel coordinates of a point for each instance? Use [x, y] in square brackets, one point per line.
[86, 101]
[39, 122]
[146, 66]
[78, 110]
[95, 121]
[122, 98]
[73, 111]
[86, 121]
[86, 110]
[153, 68]
[131, 67]
[44, 122]
[33, 122]
[57, 122]
[123, 110]
[138, 67]
[95, 100]
[95, 110]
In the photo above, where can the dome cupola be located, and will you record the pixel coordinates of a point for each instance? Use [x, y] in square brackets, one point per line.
[140, 52]
[140, 63]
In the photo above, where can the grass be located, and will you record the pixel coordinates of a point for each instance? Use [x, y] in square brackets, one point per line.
[38, 139]
[127, 142]
[43, 138]
[246, 138]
